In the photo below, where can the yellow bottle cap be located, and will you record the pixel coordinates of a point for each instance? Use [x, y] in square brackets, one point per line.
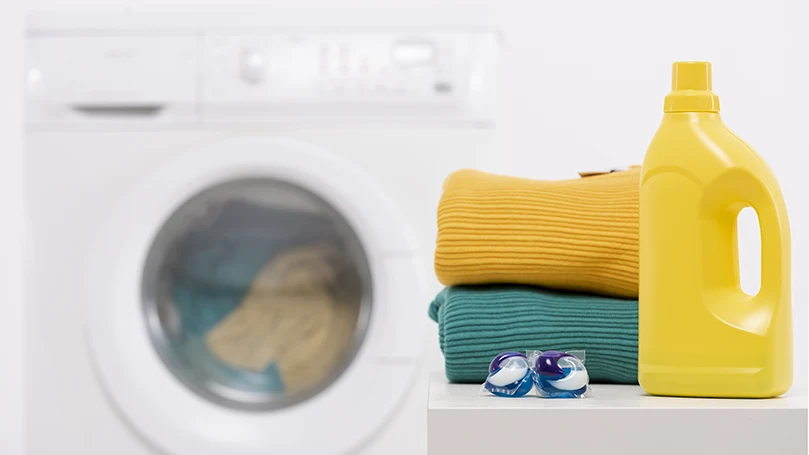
[691, 88]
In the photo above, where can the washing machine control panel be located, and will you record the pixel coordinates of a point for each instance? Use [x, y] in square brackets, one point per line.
[347, 72]
[212, 76]
[359, 67]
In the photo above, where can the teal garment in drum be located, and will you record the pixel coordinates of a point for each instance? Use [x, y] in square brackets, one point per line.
[267, 381]
[213, 268]
[227, 252]
[475, 323]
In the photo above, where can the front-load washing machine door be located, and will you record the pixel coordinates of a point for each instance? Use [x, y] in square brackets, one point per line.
[255, 296]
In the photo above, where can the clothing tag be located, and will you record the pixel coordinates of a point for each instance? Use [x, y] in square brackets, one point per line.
[594, 173]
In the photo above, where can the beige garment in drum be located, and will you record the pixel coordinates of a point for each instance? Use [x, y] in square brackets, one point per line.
[290, 316]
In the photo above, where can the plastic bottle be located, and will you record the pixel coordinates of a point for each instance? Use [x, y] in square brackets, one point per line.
[699, 333]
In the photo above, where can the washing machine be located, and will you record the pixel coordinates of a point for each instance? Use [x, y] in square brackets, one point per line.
[231, 219]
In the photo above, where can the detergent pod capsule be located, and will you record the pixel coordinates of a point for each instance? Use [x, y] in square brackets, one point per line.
[560, 375]
[510, 375]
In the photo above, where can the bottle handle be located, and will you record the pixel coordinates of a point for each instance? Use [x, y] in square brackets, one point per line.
[723, 201]
[774, 232]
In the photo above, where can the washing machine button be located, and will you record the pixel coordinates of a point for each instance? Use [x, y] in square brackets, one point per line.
[253, 66]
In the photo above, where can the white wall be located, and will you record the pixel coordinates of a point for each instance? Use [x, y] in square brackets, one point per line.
[10, 231]
[585, 82]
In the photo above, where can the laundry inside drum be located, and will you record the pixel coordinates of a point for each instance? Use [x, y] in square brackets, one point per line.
[257, 294]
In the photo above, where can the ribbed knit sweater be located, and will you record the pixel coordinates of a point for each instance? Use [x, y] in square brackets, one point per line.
[475, 323]
[578, 235]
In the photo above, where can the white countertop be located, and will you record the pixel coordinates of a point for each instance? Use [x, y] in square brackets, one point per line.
[465, 396]
[617, 419]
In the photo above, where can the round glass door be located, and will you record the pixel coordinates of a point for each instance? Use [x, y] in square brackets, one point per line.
[256, 294]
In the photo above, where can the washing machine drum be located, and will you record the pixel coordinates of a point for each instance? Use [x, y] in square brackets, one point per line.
[255, 296]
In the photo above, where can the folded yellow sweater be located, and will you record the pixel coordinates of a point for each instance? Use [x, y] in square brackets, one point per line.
[579, 235]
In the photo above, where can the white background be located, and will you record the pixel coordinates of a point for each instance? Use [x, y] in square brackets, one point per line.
[584, 86]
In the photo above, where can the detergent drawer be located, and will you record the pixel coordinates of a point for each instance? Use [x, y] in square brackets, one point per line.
[111, 78]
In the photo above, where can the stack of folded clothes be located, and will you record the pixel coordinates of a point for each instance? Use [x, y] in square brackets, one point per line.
[542, 265]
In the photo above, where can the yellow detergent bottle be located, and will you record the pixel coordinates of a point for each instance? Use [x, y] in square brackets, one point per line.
[699, 333]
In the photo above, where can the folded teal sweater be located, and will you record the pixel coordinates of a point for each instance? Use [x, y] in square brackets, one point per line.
[475, 323]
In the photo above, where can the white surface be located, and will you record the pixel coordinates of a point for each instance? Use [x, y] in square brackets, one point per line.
[617, 419]
[445, 396]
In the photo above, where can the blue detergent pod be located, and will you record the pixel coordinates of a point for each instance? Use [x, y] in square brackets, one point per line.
[560, 375]
[510, 375]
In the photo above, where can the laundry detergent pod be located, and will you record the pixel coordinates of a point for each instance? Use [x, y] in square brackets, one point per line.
[560, 375]
[510, 375]
[495, 365]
